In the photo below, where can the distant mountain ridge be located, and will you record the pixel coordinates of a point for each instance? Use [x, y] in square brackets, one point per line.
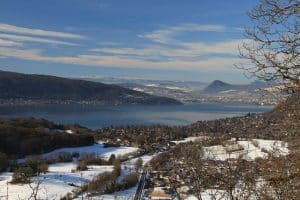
[220, 86]
[16, 86]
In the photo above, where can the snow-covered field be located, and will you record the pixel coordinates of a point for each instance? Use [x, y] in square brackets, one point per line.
[61, 178]
[96, 149]
[122, 195]
[190, 139]
[55, 184]
[127, 167]
[256, 148]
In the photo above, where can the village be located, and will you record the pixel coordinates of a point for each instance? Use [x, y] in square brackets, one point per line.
[170, 174]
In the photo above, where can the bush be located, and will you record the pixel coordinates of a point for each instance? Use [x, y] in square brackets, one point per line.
[102, 183]
[92, 159]
[129, 181]
[37, 164]
[22, 175]
[112, 158]
[61, 157]
[82, 165]
[138, 164]
[117, 168]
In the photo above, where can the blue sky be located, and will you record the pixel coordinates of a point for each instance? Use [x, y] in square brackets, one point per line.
[152, 39]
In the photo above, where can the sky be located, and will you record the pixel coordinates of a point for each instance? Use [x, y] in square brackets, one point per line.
[151, 39]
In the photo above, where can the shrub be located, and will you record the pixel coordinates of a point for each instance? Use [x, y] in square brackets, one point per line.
[92, 159]
[130, 181]
[255, 143]
[117, 168]
[82, 165]
[37, 164]
[112, 158]
[22, 175]
[138, 164]
[102, 183]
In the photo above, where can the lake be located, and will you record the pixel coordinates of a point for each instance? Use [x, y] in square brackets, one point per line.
[99, 116]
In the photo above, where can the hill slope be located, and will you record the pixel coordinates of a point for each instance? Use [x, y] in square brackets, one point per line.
[217, 86]
[16, 86]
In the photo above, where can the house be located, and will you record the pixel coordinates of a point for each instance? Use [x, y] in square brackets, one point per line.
[159, 194]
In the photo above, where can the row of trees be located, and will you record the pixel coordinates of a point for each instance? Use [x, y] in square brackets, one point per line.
[106, 183]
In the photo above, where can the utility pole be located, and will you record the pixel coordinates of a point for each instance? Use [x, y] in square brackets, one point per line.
[6, 190]
[81, 185]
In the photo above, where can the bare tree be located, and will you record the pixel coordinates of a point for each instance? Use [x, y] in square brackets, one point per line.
[138, 165]
[273, 43]
[196, 169]
[281, 178]
[35, 188]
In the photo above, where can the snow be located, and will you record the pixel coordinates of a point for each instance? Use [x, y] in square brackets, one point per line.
[62, 178]
[97, 149]
[145, 158]
[52, 189]
[62, 167]
[152, 85]
[127, 168]
[189, 139]
[209, 194]
[56, 183]
[252, 149]
[122, 195]
[227, 91]
[273, 146]
[69, 131]
[173, 88]
[138, 89]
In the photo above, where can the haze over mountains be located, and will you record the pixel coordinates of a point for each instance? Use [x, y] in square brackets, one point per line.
[114, 91]
[17, 86]
[199, 92]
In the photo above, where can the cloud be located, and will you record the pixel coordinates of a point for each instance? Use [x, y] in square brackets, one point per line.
[183, 51]
[37, 32]
[166, 35]
[191, 56]
[34, 39]
[8, 43]
[209, 64]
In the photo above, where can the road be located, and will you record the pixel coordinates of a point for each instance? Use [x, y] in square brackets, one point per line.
[141, 185]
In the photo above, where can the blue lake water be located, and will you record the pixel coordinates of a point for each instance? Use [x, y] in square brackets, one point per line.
[99, 116]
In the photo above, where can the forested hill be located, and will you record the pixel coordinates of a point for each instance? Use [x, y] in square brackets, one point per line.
[17, 86]
[27, 136]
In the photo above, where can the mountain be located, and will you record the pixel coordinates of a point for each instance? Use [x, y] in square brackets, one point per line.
[17, 86]
[220, 86]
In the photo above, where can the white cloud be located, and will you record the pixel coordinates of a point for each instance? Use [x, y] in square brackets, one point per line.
[184, 51]
[166, 35]
[192, 56]
[210, 64]
[8, 43]
[37, 32]
[34, 39]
